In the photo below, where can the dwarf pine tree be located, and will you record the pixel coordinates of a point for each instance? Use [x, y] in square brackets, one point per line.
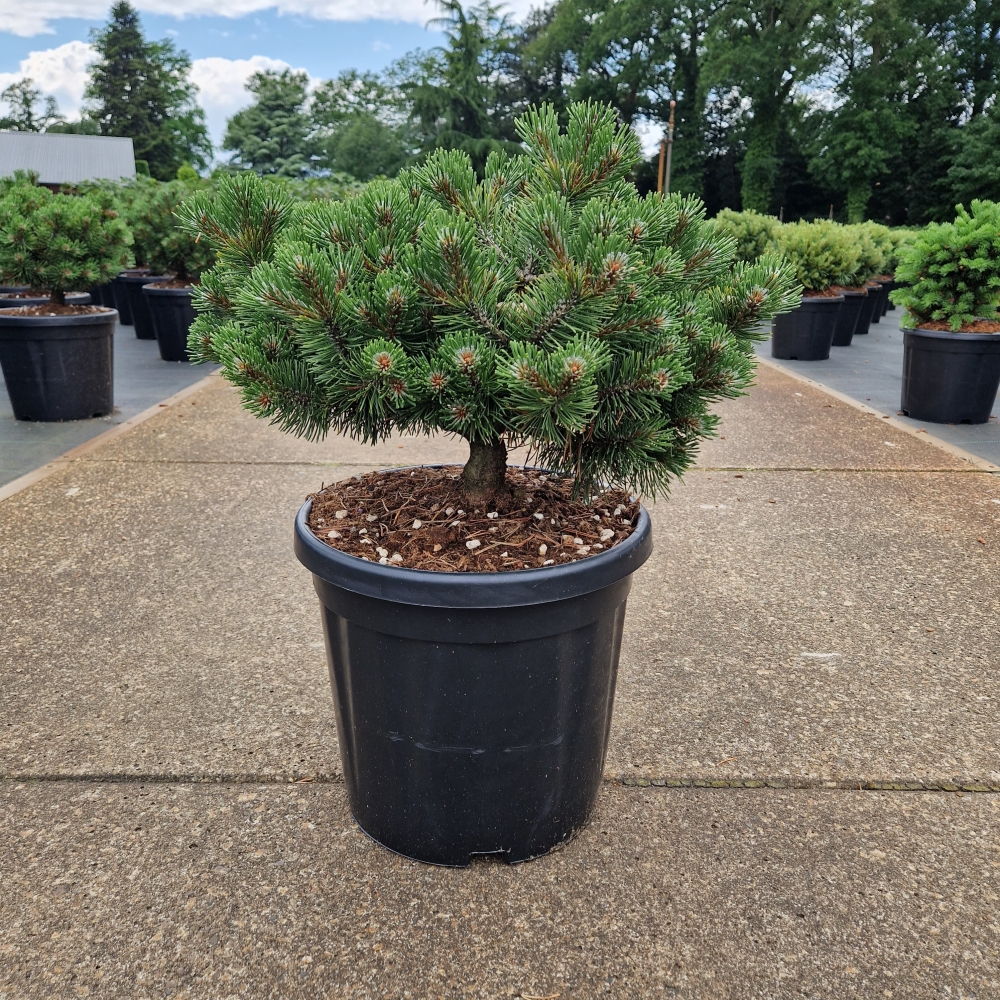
[547, 304]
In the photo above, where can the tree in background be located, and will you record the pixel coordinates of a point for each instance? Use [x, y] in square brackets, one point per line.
[359, 126]
[272, 136]
[764, 50]
[142, 90]
[22, 99]
[456, 94]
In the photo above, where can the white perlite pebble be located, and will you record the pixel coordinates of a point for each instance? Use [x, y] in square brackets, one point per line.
[454, 524]
[340, 515]
[333, 534]
[597, 517]
[538, 517]
[384, 561]
[548, 562]
[395, 558]
[449, 511]
[366, 541]
[493, 514]
[578, 541]
[382, 552]
[583, 550]
[461, 513]
[418, 524]
[607, 533]
[618, 510]
[371, 517]
[473, 543]
[542, 549]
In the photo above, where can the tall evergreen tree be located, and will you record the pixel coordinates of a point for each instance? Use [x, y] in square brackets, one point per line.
[23, 112]
[142, 90]
[272, 135]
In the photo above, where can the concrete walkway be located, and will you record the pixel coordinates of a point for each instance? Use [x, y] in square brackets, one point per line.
[802, 790]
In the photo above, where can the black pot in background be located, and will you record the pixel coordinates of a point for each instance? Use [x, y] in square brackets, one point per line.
[888, 284]
[58, 367]
[950, 378]
[847, 317]
[806, 333]
[879, 304]
[172, 314]
[119, 295]
[472, 709]
[142, 322]
[867, 308]
[72, 299]
[7, 289]
[102, 295]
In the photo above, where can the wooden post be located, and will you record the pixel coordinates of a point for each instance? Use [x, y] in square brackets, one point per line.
[670, 147]
[659, 176]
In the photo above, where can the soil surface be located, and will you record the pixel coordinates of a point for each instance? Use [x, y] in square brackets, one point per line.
[418, 518]
[840, 289]
[48, 309]
[827, 293]
[979, 326]
[174, 283]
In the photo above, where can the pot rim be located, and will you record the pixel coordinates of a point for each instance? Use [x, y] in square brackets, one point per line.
[832, 299]
[437, 589]
[146, 279]
[9, 319]
[920, 331]
[153, 288]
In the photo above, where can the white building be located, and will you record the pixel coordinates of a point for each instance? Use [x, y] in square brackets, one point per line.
[58, 158]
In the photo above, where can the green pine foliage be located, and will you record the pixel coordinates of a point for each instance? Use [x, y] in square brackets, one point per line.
[546, 304]
[167, 248]
[953, 269]
[872, 249]
[820, 253]
[61, 242]
[754, 233]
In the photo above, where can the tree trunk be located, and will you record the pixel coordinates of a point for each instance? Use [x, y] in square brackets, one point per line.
[57, 297]
[858, 196]
[484, 474]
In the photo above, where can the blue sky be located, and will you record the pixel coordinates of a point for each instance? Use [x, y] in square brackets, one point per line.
[48, 41]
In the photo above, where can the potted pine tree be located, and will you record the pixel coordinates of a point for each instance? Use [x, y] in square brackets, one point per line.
[951, 338]
[754, 232]
[859, 289]
[172, 251]
[57, 356]
[19, 196]
[821, 256]
[473, 614]
[126, 289]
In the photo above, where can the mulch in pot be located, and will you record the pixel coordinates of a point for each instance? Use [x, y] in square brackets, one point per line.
[976, 326]
[50, 309]
[420, 519]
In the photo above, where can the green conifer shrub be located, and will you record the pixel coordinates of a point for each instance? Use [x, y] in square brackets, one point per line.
[61, 242]
[952, 269]
[754, 233]
[871, 244]
[167, 248]
[821, 253]
[547, 304]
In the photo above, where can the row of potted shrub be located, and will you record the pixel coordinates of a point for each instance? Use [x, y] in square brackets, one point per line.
[73, 263]
[946, 276]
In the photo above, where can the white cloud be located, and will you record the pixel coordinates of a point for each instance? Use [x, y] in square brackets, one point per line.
[221, 87]
[61, 72]
[32, 17]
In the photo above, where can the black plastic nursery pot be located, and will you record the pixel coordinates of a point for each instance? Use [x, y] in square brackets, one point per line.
[847, 317]
[172, 314]
[867, 309]
[58, 367]
[950, 378]
[806, 333]
[878, 306]
[142, 321]
[119, 295]
[888, 285]
[102, 295]
[473, 709]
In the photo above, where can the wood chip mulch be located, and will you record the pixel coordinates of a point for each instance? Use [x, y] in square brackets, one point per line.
[418, 518]
[53, 310]
[976, 326]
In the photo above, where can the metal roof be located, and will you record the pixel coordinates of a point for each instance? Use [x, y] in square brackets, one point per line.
[58, 158]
